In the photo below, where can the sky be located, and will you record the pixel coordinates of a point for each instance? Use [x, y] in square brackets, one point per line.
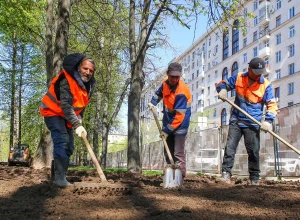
[182, 38]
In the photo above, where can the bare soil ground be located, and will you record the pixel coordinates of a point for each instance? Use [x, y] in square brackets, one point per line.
[27, 194]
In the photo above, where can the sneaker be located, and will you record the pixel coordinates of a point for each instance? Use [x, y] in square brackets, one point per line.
[254, 182]
[225, 177]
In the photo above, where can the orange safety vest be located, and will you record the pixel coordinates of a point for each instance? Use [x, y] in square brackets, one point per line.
[51, 105]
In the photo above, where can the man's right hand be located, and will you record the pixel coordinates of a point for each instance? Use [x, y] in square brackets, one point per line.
[223, 94]
[80, 130]
[164, 135]
[151, 105]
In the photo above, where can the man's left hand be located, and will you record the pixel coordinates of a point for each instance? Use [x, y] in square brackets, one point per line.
[266, 126]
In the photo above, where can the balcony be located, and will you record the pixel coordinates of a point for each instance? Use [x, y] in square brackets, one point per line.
[202, 86]
[264, 34]
[268, 68]
[264, 52]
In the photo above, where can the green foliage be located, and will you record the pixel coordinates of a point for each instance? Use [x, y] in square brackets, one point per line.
[117, 146]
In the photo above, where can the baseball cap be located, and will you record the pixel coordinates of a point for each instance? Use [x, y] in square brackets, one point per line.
[258, 66]
[174, 69]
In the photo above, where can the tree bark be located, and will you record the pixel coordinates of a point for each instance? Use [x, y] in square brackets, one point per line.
[45, 148]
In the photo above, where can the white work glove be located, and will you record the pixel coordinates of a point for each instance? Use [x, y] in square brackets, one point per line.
[266, 126]
[151, 105]
[80, 120]
[223, 94]
[164, 135]
[80, 130]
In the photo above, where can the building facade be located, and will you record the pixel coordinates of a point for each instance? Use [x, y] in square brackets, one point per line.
[219, 54]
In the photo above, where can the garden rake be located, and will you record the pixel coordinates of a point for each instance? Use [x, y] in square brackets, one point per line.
[105, 188]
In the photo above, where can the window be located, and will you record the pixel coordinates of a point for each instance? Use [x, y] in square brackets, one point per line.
[278, 21]
[254, 35]
[198, 73]
[292, 31]
[278, 38]
[197, 85]
[225, 44]
[245, 42]
[209, 41]
[215, 113]
[216, 49]
[223, 117]
[193, 76]
[235, 70]
[290, 103]
[291, 88]
[216, 74]
[208, 78]
[255, 20]
[255, 5]
[278, 74]
[217, 36]
[255, 52]
[245, 13]
[225, 73]
[245, 57]
[193, 65]
[291, 12]
[277, 93]
[291, 50]
[192, 87]
[291, 69]
[235, 37]
[278, 4]
[278, 56]
[209, 54]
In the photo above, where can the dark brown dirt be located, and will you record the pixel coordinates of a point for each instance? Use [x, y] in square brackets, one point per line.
[27, 194]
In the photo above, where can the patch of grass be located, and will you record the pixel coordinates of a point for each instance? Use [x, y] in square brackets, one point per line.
[152, 173]
[81, 168]
[200, 174]
[115, 170]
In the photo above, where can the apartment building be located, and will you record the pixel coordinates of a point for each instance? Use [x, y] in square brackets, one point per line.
[219, 54]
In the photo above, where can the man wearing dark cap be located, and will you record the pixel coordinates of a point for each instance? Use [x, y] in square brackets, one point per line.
[253, 91]
[177, 99]
[62, 108]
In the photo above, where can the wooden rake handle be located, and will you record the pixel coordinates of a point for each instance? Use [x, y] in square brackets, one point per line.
[162, 137]
[94, 159]
[257, 122]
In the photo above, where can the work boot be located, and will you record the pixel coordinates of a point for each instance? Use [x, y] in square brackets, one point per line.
[60, 169]
[225, 177]
[254, 182]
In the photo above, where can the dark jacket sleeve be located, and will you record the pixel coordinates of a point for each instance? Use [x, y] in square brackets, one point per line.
[66, 99]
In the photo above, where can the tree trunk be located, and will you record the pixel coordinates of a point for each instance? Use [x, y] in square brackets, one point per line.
[13, 126]
[45, 147]
[133, 153]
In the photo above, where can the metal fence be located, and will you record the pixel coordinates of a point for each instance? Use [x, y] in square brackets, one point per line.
[204, 150]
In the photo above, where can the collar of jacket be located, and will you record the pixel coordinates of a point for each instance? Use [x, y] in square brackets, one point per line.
[172, 88]
[261, 78]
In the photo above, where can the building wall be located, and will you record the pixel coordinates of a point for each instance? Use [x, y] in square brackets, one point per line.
[203, 64]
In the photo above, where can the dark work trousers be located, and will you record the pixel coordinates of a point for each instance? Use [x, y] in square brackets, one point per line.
[252, 144]
[62, 137]
[176, 146]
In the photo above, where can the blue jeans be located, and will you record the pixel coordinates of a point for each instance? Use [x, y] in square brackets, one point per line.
[176, 146]
[62, 137]
[252, 144]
